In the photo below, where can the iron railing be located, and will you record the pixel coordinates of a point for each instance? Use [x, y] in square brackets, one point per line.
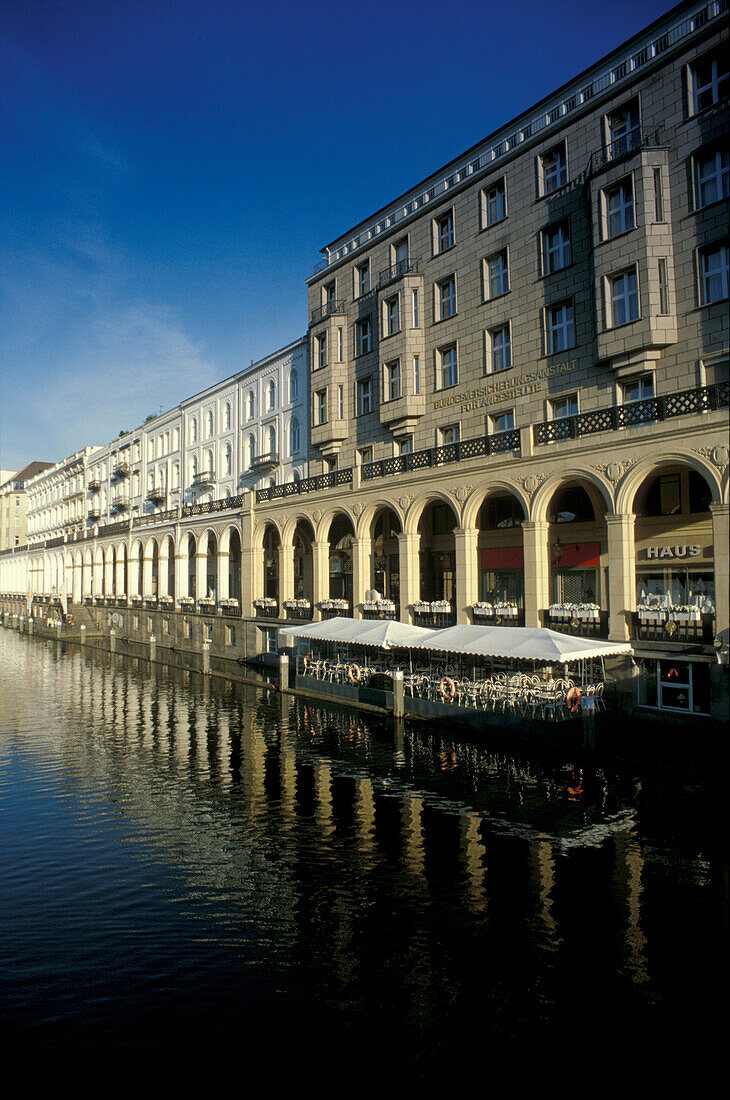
[441, 456]
[306, 485]
[633, 414]
[397, 271]
[625, 146]
[327, 310]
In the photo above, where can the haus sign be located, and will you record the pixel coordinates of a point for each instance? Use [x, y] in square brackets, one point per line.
[680, 551]
[504, 389]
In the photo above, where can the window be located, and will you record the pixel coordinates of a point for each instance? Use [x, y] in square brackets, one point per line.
[230, 635]
[555, 248]
[271, 440]
[393, 380]
[364, 389]
[271, 396]
[446, 299]
[294, 385]
[499, 349]
[559, 328]
[444, 232]
[494, 204]
[622, 128]
[250, 405]
[362, 279]
[321, 349]
[672, 684]
[640, 388]
[339, 345]
[209, 425]
[415, 309]
[193, 431]
[448, 434]
[709, 82]
[561, 407]
[713, 274]
[365, 456]
[392, 315]
[328, 294]
[405, 445]
[623, 290]
[554, 165]
[618, 209]
[449, 368]
[341, 402]
[416, 374]
[712, 177]
[294, 436]
[658, 196]
[663, 279]
[321, 396]
[363, 336]
[496, 275]
[502, 422]
[227, 459]
[400, 254]
[226, 417]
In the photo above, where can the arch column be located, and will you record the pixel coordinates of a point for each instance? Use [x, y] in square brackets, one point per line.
[120, 585]
[410, 573]
[467, 571]
[621, 574]
[222, 575]
[721, 552]
[362, 556]
[286, 574]
[320, 575]
[201, 573]
[147, 574]
[535, 536]
[252, 577]
[181, 574]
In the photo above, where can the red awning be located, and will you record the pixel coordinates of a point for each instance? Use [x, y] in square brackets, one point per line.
[577, 555]
[503, 557]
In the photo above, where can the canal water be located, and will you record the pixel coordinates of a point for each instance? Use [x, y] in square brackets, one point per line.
[198, 877]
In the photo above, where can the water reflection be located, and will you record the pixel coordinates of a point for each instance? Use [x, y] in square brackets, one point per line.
[197, 847]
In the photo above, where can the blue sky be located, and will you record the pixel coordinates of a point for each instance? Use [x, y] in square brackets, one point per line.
[172, 167]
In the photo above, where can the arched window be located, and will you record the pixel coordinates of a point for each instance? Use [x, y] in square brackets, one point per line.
[294, 436]
[227, 459]
[209, 460]
[251, 405]
[193, 467]
[209, 425]
[295, 476]
[251, 450]
[227, 417]
[272, 440]
[271, 395]
[193, 430]
[293, 385]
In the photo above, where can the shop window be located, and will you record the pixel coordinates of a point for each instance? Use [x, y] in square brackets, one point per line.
[572, 505]
[443, 520]
[574, 585]
[680, 686]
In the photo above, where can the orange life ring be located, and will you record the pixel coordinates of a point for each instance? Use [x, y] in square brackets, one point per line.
[447, 688]
[353, 674]
[307, 662]
[573, 700]
[673, 674]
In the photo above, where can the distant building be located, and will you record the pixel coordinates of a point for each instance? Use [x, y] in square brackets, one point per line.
[13, 504]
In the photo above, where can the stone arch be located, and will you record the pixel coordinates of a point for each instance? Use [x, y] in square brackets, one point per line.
[369, 512]
[270, 545]
[417, 508]
[543, 496]
[638, 474]
[479, 494]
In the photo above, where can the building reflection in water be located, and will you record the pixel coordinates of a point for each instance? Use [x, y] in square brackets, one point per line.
[417, 883]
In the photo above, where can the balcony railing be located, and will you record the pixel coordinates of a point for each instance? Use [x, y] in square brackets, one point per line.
[441, 456]
[700, 399]
[266, 461]
[203, 480]
[625, 146]
[94, 485]
[397, 271]
[93, 514]
[327, 310]
[120, 470]
[157, 495]
[666, 627]
[307, 485]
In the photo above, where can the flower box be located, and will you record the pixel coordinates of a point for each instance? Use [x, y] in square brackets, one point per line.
[483, 610]
[421, 607]
[229, 602]
[685, 615]
[186, 601]
[297, 605]
[506, 610]
[441, 606]
[652, 614]
[136, 599]
[378, 605]
[265, 601]
[166, 599]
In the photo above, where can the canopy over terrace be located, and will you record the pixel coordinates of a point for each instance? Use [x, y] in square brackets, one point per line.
[386, 634]
[519, 643]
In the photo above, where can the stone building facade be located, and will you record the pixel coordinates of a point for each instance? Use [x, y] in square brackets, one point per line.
[517, 398]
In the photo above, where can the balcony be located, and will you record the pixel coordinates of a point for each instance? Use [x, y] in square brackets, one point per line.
[397, 271]
[673, 625]
[329, 435]
[329, 309]
[157, 495]
[120, 470]
[267, 461]
[633, 142]
[633, 414]
[94, 485]
[205, 480]
[93, 514]
[119, 503]
[402, 413]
